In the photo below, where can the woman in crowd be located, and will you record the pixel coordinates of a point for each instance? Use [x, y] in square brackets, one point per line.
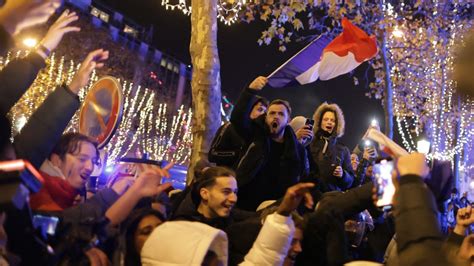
[330, 156]
[139, 227]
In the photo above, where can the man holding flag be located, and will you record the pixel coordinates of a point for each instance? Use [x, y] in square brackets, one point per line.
[274, 159]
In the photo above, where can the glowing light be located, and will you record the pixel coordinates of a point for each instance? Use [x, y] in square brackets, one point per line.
[423, 146]
[30, 42]
[367, 143]
[397, 33]
[374, 122]
[156, 135]
[109, 169]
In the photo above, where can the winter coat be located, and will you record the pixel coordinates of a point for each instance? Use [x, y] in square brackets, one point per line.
[418, 244]
[46, 126]
[183, 243]
[187, 243]
[6, 41]
[16, 78]
[325, 241]
[327, 152]
[253, 188]
[228, 146]
[187, 210]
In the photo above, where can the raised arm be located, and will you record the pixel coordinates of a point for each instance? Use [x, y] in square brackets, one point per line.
[240, 117]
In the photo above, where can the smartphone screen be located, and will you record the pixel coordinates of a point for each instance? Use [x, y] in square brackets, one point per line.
[46, 224]
[384, 184]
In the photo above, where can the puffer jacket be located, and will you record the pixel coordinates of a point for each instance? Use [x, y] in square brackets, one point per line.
[187, 243]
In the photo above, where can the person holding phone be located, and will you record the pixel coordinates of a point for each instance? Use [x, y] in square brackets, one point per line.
[331, 157]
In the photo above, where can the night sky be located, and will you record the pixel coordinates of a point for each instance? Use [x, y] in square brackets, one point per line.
[242, 60]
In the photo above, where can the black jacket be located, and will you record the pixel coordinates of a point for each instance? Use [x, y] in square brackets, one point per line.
[335, 154]
[186, 210]
[16, 78]
[419, 237]
[6, 41]
[254, 187]
[228, 146]
[46, 126]
[325, 241]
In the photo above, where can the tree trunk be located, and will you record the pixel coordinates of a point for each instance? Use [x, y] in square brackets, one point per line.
[387, 100]
[205, 84]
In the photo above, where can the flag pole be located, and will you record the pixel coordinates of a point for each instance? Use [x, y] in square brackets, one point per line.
[280, 67]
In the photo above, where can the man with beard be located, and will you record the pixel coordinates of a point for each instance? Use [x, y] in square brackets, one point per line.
[274, 159]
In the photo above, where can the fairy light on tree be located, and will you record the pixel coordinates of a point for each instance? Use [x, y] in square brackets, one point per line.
[140, 107]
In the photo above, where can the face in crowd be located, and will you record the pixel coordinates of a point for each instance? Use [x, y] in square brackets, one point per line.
[144, 229]
[328, 122]
[295, 248]
[354, 161]
[78, 165]
[277, 119]
[258, 110]
[218, 199]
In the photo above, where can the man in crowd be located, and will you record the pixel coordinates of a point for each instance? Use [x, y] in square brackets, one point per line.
[274, 160]
[212, 200]
[227, 146]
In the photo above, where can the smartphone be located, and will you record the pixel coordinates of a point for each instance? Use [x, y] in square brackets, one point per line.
[46, 224]
[310, 122]
[383, 182]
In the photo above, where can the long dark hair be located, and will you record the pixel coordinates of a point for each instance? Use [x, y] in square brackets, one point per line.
[132, 257]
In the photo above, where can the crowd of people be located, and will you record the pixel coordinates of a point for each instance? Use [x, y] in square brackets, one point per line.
[275, 190]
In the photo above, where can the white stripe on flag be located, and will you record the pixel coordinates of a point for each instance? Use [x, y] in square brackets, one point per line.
[310, 75]
[333, 65]
[383, 140]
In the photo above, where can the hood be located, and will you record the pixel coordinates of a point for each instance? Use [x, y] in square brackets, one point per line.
[183, 243]
[339, 116]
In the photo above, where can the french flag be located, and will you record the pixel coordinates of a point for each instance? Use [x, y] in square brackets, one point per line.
[326, 59]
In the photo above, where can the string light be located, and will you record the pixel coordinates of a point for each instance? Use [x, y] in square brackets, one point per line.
[140, 107]
[421, 58]
[227, 11]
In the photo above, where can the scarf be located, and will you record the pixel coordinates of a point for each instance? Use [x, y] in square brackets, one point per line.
[55, 195]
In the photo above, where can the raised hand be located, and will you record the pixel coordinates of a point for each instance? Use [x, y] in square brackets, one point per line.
[304, 133]
[58, 29]
[258, 83]
[464, 219]
[413, 164]
[82, 76]
[16, 15]
[148, 182]
[293, 197]
[369, 153]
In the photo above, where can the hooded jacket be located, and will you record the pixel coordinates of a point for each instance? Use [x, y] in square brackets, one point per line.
[187, 243]
[183, 243]
[327, 152]
[254, 186]
[228, 146]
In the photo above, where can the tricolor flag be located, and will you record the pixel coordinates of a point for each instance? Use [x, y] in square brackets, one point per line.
[386, 144]
[326, 59]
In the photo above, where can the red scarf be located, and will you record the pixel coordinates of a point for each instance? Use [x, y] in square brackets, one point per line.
[55, 195]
